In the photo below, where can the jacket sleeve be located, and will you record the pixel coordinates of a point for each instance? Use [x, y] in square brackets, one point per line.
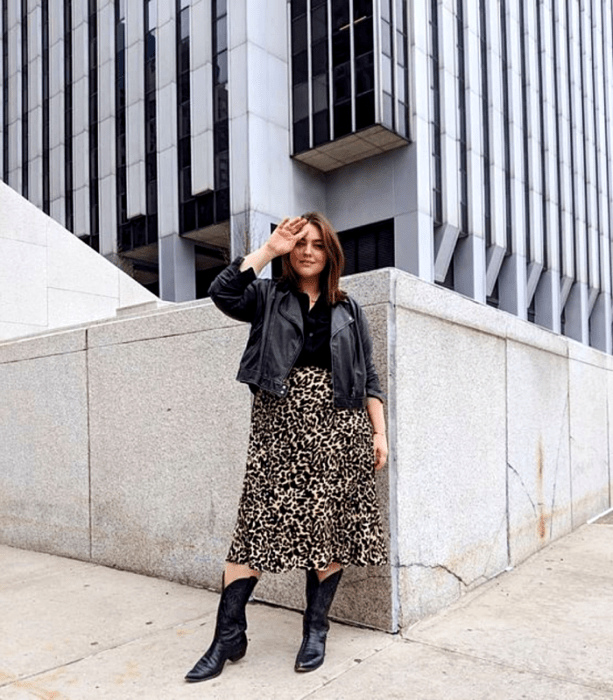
[373, 386]
[236, 293]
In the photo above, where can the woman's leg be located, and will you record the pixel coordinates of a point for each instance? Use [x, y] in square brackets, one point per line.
[230, 640]
[320, 589]
[332, 569]
[236, 571]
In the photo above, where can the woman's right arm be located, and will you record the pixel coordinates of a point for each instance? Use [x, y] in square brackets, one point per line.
[283, 239]
[233, 291]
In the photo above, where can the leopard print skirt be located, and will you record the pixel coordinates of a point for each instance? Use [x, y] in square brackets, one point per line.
[309, 494]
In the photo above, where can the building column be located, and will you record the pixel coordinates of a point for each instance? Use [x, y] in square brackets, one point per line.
[177, 269]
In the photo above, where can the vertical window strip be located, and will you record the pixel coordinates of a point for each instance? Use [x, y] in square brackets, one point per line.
[362, 47]
[402, 69]
[586, 195]
[342, 69]
[572, 124]
[435, 89]
[151, 177]
[462, 117]
[94, 204]
[506, 121]
[556, 68]
[220, 111]
[608, 120]
[300, 75]
[524, 119]
[45, 86]
[485, 104]
[187, 206]
[318, 71]
[24, 99]
[544, 188]
[596, 214]
[5, 91]
[68, 103]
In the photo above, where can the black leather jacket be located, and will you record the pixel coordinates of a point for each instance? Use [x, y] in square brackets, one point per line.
[276, 336]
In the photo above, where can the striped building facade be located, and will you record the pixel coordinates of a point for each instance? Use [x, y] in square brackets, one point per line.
[469, 142]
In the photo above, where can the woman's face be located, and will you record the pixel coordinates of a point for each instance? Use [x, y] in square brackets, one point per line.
[308, 257]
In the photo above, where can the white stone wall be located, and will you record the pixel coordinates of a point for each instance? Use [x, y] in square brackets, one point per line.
[124, 443]
[49, 278]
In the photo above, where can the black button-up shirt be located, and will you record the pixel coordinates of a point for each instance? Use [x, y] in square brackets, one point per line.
[316, 349]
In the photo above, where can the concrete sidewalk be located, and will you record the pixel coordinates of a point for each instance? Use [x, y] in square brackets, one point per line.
[76, 631]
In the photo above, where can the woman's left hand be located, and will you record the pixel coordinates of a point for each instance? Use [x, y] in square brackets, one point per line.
[380, 443]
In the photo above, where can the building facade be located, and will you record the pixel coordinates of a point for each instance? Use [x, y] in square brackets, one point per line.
[468, 142]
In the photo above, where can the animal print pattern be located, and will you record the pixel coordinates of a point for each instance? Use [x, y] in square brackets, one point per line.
[309, 490]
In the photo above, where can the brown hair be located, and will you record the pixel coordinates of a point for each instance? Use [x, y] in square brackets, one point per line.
[330, 275]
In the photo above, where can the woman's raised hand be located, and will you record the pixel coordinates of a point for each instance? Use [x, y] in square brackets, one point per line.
[286, 235]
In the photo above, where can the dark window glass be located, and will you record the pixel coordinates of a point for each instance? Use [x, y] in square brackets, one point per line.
[185, 153]
[149, 46]
[300, 68]
[319, 24]
[319, 58]
[365, 110]
[152, 228]
[183, 87]
[221, 102]
[206, 209]
[220, 8]
[221, 67]
[363, 37]
[152, 197]
[320, 92]
[221, 136]
[340, 13]
[321, 127]
[342, 120]
[222, 169]
[301, 135]
[362, 8]
[364, 74]
[222, 205]
[340, 47]
[301, 101]
[298, 8]
[299, 35]
[183, 57]
[368, 247]
[139, 231]
[189, 216]
[342, 83]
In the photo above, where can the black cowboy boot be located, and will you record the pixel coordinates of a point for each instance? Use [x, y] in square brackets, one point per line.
[230, 641]
[315, 624]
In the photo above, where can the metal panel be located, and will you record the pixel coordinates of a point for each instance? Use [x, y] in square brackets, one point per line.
[201, 104]
[35, 104]
[14, 110]
[135, 109]
[80, 123]
[106, 129]
[56, 116]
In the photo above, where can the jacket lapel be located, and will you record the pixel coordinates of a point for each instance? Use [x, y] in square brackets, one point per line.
[341, 317]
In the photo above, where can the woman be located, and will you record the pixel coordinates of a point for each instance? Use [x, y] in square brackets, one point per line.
[308, 496]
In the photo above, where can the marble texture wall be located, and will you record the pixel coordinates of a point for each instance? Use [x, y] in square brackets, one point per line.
[49, 278]
[124, 442]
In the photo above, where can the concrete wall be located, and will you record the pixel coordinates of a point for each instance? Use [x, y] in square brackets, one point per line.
[51, 279]
[124, 443]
